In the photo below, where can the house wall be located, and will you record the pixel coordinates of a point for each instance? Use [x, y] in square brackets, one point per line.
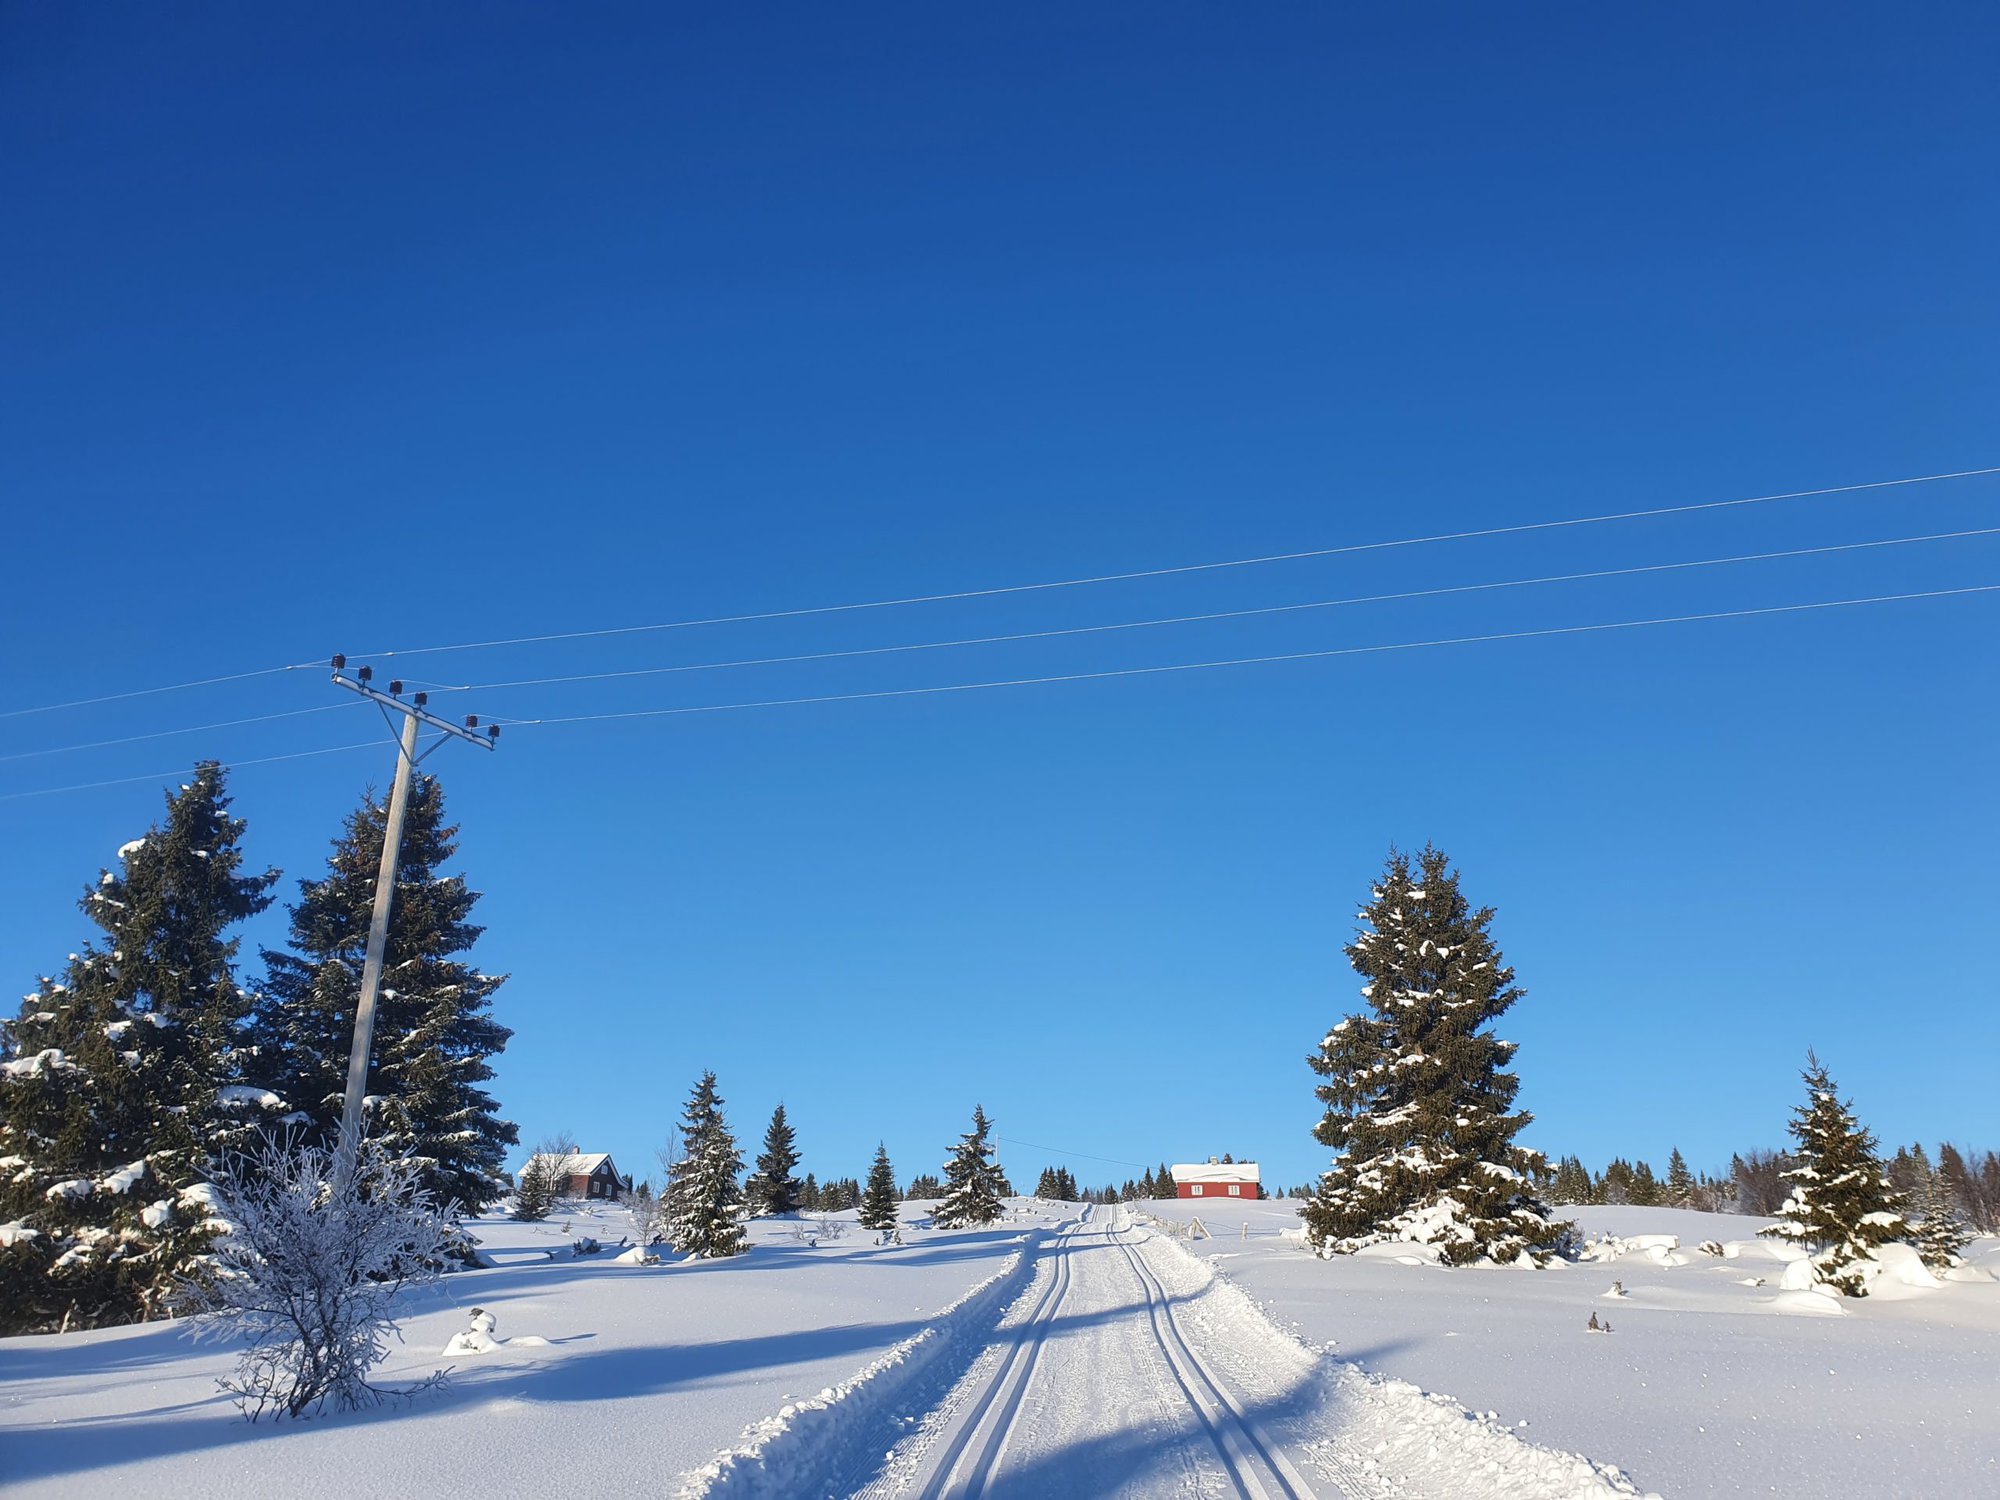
[1215, 1189]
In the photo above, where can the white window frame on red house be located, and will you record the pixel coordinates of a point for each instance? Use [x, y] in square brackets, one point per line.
[1194, 1190]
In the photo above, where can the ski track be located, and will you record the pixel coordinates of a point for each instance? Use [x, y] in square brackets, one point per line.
[1111, 1398]
[1125, 1367]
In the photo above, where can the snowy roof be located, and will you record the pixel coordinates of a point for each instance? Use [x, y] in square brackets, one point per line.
[580, 1165]
[1215, 1171]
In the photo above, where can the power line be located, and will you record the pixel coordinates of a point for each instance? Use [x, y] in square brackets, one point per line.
[1116, 1161]
[162, 734]
[1240, 562]
[261, 760]
[1024, 588]
[1246, 661]
[965, 687]
[172, 687]
[1226, 614]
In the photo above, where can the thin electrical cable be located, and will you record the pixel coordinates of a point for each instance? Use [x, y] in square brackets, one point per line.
[162, 734]
[1116, 1161]
[1023, 588]
[172, 687]
[1225, 614]
[1240, 562]
[261, 760]
[1247, 661]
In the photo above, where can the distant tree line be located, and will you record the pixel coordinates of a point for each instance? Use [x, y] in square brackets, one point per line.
[706, 1202]
[1755, 1183]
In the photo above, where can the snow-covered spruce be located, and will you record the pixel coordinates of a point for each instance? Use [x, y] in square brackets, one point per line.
[123, 1077]
[434, 1032]
[878, 1199]
[1941, 1235]
[773, 1188]
[308, 1273]
[973, 1184]
[1841, 1205]
[1419, 1102]
[703, 1205]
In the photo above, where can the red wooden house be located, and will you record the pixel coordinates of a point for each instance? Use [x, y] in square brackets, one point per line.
[1215, 1179]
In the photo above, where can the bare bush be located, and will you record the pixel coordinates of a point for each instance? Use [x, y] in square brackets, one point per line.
[307, 1272]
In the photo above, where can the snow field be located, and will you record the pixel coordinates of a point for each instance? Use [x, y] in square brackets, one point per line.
[646, 1370]
[1710, 1384]
[1372, 1436]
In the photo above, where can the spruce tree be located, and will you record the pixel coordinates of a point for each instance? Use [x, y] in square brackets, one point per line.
[122, 1086]
[1680, 1181]
[1419, 1102]
[1645, 1188]
[973, 1184]
[1572, 1184]
[434, 1033]
[772, 1189]
[1940, 1234]
[1841, 1205]
[878, 1202]
[704, 1205]
[809, 1195]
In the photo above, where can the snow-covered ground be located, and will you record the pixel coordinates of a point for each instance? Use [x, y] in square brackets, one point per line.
[648, 1372]
[1073, 1354]
[1706, 1385]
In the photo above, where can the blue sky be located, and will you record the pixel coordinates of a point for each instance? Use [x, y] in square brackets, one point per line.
[387, 327]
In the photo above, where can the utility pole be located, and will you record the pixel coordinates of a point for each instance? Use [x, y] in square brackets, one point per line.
[407, 759]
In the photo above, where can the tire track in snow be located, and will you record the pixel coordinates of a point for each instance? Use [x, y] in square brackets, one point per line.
[1255, 1464]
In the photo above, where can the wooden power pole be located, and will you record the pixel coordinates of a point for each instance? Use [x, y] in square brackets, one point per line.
[414, 713]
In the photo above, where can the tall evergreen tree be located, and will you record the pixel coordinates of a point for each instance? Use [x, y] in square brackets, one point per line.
[1419, 1102]
[123, 1080]
[1680, 1181]
[1940, 1234]
[434, 1032]
[1841, 1205]
[973, 1184]
[1645, 1186]
[772, 1189]
[704, 1205]
[1572, 1183]
[878, 1200]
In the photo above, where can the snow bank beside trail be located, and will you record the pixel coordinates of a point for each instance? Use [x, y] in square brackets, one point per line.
[1360, 1429]
[788, 1454]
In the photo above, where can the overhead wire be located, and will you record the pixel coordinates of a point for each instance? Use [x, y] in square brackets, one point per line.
[1245, 661]
[162, 734]
[261, 760]
[1186, 568]
[1022, 588]
[1109, 673]
[1203, 618]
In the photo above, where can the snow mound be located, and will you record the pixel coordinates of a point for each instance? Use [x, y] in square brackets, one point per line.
[1660, 1249]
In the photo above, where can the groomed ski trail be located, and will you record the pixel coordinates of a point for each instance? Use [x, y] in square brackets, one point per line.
[1100, 1392]
[1123, 1365]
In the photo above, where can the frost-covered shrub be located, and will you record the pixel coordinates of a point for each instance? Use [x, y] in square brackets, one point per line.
[308, 1272]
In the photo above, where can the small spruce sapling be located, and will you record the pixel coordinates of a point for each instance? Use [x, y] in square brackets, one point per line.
[878, 1200]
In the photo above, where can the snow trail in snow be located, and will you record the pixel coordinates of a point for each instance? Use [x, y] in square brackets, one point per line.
[1125, 1367]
